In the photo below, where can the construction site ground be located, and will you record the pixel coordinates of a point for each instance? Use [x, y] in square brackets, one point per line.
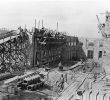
[77, 79]
[54, 75]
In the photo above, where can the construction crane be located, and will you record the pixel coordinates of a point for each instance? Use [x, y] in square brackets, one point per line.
[98, 19]
[101, 27]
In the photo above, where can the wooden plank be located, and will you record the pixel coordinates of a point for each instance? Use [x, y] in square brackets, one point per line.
[76, 65]
[71, 90]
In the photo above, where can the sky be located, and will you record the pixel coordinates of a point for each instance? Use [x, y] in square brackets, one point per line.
[76, 17]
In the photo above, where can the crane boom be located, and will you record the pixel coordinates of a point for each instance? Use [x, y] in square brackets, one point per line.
[98, 19]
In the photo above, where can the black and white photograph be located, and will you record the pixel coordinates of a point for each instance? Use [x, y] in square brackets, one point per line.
[54, 49]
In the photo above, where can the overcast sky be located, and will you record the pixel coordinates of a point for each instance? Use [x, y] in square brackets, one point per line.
[77, 17]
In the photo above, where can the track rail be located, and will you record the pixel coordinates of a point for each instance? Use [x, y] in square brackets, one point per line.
[72, 88]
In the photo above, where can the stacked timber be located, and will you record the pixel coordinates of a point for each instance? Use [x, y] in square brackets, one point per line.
[31, 83]
[4, 96]
[12, 89]
[35, 86]
[11, 80]
[5, 76]
[27, 75]
[4, 88]
[13, 97]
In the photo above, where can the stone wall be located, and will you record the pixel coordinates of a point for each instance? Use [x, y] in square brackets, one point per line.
[102, 45]
[106, 56]
[94, 45]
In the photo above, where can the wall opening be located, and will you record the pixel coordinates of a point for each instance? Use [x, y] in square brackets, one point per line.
[90, 54]
[100, 54]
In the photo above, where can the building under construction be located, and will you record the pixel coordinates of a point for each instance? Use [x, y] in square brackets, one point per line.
[54, 66]
[53, 47]
[47, 46]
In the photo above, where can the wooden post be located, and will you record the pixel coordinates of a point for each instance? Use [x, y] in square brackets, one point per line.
[57, 26]
[25, 26]
[90, 94]
[3, 54]
[33, 44]
[97, 95]
[42, 23]
[82, 95]
[35, 23]
[10, 54]
[39, 24]
[104, 96]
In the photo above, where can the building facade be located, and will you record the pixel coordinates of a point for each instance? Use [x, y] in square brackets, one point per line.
[93, 48]
[53, 47]
[47, 46]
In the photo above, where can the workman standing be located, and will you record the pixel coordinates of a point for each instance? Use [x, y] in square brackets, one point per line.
[62, 81]
[60, 66]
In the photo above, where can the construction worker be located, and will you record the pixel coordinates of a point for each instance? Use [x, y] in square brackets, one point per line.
[81, 61]
[62, 82]
[60, 66]
[66, 77]
[95, 77]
